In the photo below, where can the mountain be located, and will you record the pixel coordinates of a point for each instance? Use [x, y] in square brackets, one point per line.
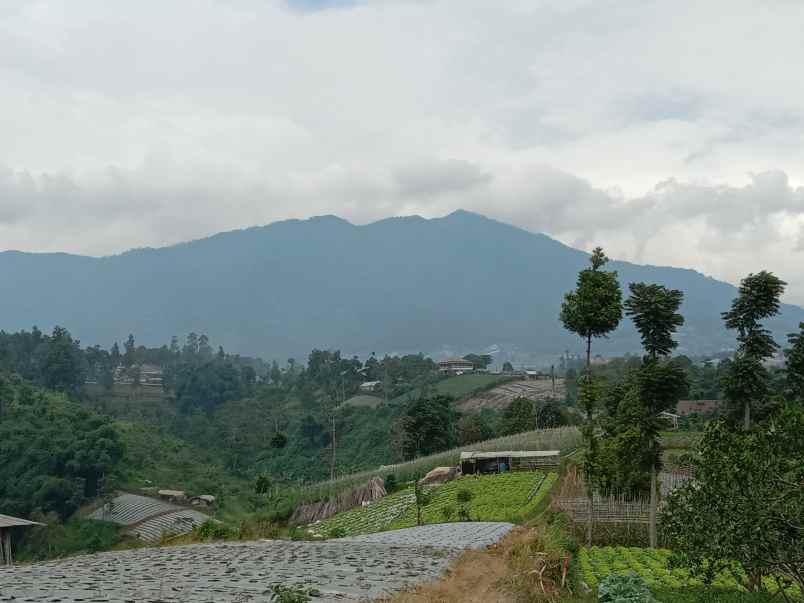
[459, 283]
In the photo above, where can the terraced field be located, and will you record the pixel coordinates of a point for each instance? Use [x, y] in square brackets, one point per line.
[360, 569]
[507, 497]
[502, 395]
[375, 517]
[148, 518]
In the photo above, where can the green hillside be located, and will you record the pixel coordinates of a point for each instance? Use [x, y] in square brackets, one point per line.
[458, 386]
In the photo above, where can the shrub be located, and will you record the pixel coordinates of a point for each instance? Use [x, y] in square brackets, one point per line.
[448, 512]
[212, 530]
[391, 484]
[292, 594]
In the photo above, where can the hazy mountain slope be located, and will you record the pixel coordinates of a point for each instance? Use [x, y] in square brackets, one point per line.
[407, 284]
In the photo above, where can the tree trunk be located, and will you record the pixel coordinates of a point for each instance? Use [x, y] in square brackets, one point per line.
[589, 490]
[653, 504]
[747, 416]
[332, 466]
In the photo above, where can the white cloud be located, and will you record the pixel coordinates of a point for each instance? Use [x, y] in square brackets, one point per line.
[668, 133]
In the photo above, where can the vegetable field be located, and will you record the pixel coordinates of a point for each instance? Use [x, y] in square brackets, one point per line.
[375, 517]
[502, 497]
[595, 563]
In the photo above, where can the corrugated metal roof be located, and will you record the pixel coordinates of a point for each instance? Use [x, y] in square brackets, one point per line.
[6, 521]
[509, 453]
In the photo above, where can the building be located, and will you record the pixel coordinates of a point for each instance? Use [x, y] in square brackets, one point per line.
[685, 408]
[148, 375]
[455, 366]
[7, 524]
[508, 460]
[369, 387]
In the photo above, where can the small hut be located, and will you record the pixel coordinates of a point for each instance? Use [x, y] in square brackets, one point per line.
[508, 460]
[7, 524]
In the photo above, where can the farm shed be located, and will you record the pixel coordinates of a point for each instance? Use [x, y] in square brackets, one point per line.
[172, 495]
[508, 460]
[7, 524]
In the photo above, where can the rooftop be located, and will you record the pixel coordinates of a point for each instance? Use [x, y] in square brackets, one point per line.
[6, 521]
[509, 453]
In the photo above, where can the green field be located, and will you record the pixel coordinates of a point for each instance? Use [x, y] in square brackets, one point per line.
[375, 517]
[459, 386]
[502, 497]
[651, 564]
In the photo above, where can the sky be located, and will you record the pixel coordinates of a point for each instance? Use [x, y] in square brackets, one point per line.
[670, 133]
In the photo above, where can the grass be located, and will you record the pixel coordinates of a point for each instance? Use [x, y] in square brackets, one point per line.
[502, 497]
[458, 386]
[364, 401]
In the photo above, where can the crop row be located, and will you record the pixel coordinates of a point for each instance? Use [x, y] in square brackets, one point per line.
[652, 565]
[374, 517]
[564, 439]
[502, 497]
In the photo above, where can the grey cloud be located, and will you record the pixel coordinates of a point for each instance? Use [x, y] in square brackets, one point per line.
[429, 178]
[558, 116]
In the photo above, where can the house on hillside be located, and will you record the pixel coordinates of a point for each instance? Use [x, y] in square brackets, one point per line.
[685, 408]
[455, 366]
[369, 387]
[149, 375]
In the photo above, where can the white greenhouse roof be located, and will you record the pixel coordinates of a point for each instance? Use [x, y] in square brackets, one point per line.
[509, 453]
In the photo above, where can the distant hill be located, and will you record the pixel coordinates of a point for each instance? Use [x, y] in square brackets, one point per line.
[454, 284]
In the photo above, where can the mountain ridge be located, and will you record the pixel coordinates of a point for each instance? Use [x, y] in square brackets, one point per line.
[457, 283]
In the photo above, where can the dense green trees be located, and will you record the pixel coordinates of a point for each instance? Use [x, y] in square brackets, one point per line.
[795, 364]
[428, 425]
[659, 382]
[517, 417]
[746, 387]
[745, 504]
[592, 310]
[53, 454]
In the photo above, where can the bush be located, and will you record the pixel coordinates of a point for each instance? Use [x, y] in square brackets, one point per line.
[70, 538]
[624, 589]
[391, 485]
[212, 530]
[292, 594]
[448, 512]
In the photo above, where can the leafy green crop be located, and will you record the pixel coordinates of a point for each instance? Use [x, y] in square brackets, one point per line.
[597, 563]
[502, 497]
[624, 589]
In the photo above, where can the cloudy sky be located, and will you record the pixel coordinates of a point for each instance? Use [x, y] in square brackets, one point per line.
[668, 132]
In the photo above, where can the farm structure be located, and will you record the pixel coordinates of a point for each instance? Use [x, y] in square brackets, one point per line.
[618, 508]
[701, 407]
[7, 524]
[148, 518]
[508, 460]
